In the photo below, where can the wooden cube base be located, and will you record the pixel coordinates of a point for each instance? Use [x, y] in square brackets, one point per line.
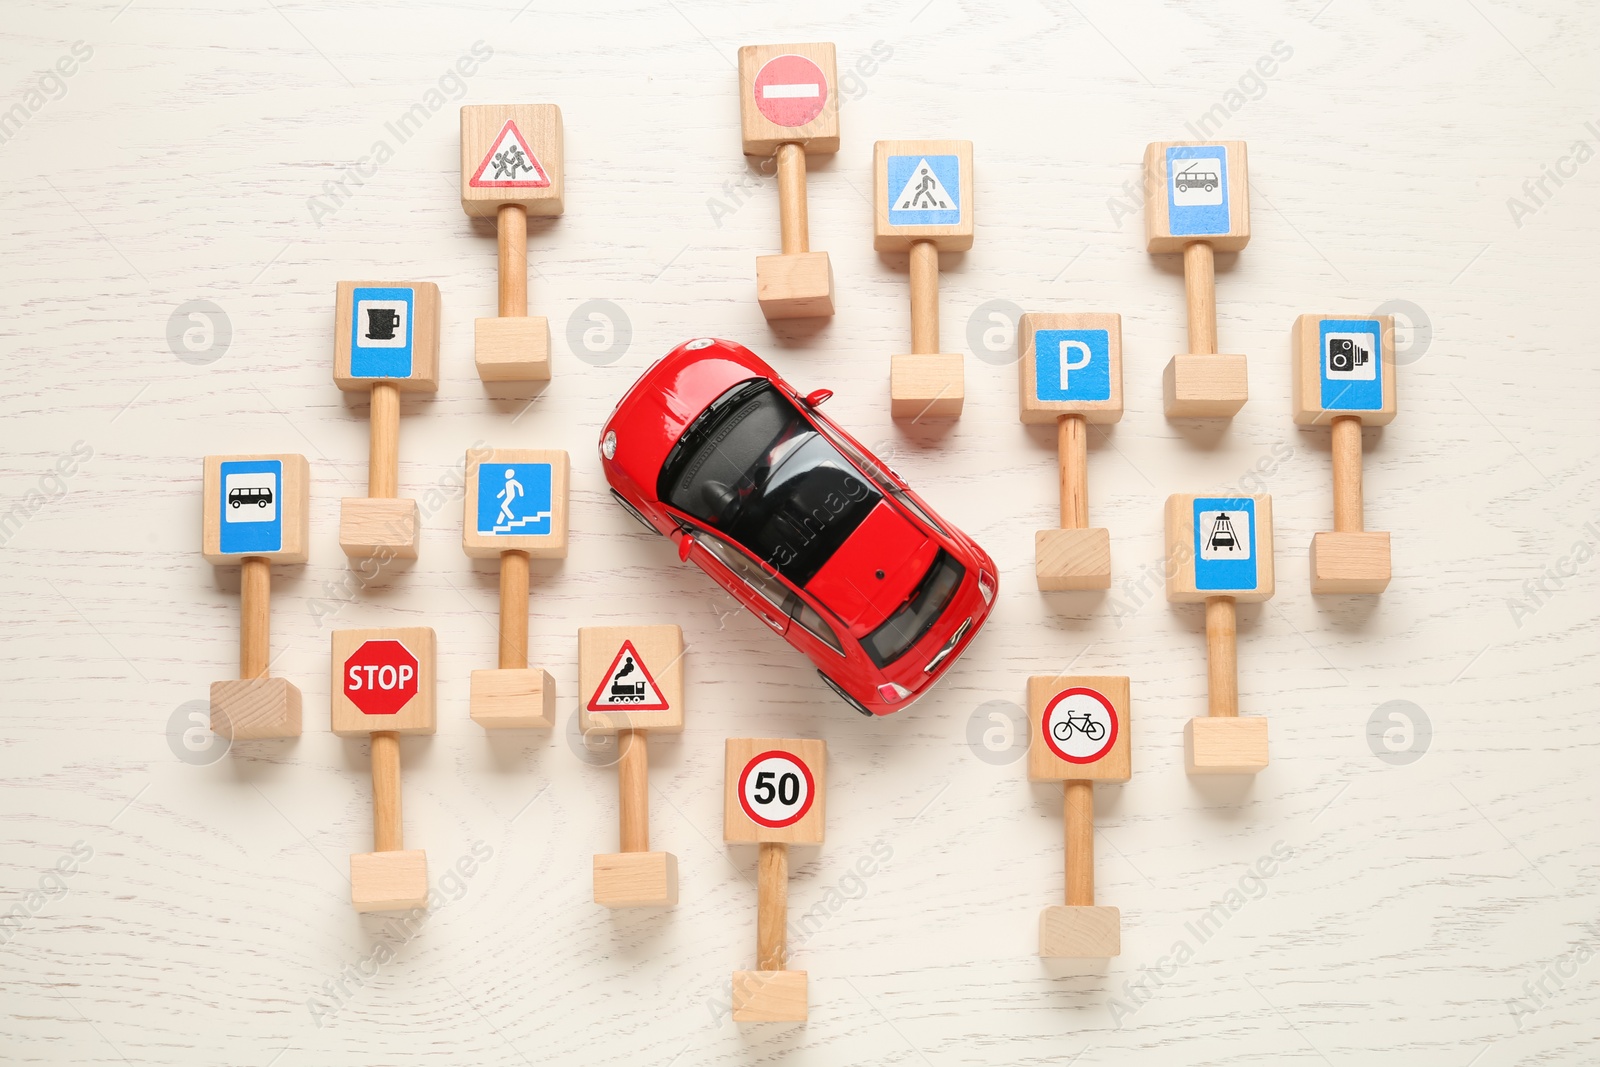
[636, 880]
[1072, 559]
[247, 709]
[512, 349]
[929, 387]
[769, 996]
[1221, 744]
[513, 699]
[795, 286]
[1076, 932]
[371, 526]
[1350, 562]
[1204, 386]
[389, 881]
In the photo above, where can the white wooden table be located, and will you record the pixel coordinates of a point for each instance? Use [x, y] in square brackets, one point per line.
[1433, 910]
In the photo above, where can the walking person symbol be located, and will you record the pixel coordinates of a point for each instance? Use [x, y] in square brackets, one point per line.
[924, 192]
[506, 496]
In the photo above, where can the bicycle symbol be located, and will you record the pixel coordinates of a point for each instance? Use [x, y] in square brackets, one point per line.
[1062, 730]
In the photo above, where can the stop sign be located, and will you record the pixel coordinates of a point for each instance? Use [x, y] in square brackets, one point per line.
[380, 677]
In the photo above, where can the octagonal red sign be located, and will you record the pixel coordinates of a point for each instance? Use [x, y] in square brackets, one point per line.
[380, 677]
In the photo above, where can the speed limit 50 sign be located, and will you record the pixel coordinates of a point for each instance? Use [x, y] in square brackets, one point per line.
[774, 790]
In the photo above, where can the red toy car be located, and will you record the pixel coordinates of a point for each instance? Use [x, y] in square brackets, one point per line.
[797, 521]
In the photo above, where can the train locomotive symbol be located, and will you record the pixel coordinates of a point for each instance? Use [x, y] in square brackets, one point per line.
[1345, 355]
[627, 691]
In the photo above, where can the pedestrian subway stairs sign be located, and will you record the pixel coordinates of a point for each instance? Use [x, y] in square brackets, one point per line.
[514, 499]
[924, 190]
[627, 685]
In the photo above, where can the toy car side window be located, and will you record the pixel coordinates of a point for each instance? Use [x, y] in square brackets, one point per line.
[812, 621]
[748, 570]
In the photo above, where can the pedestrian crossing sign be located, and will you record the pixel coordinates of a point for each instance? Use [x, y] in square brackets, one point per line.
[924, 190]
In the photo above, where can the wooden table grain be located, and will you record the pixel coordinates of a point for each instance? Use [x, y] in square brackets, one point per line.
[1415, 878]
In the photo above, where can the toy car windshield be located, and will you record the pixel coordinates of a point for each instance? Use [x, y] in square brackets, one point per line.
[756, 469]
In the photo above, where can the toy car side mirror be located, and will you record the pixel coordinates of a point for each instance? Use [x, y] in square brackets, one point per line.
[817, 397]
[685, 543]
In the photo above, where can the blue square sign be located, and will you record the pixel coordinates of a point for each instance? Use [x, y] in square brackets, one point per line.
[1072, 365]
[252, 506]
[924, 190]
[1350, 357]
[1225, 543]
[1197, 190]
[514, 499]
[380, 332]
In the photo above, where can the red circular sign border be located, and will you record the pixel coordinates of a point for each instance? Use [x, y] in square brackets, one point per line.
[822, 79]
[811, 789]
[1044, 725]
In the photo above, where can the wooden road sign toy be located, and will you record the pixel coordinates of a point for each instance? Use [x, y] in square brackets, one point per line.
[923, 204]
[383, 685]
[255, 513]
[788, 110]
[772, 796]
[1071, 375]
[511, 167]
[1199, 204]
[630, 681]
[386, 340]
[1079, 735]
[1344, 376]
[1219, 551]
[516, 510]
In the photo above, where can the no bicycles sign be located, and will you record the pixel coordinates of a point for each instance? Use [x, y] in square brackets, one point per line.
[1079, 725]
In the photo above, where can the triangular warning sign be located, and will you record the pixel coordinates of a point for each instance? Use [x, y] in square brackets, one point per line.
[510, 164]
[924, 191]
[627, 685]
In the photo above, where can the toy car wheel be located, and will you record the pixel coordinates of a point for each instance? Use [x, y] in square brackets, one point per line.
[846, 697]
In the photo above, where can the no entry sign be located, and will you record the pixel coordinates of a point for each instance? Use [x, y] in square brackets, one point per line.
[790, 90]
[380, 677]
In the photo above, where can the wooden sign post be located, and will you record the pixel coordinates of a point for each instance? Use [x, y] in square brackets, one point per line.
[383, 685]
[1219, 551]
[386, 340]
[1344, 375]
[511, 167]
[1198, 203]
[1079, 735]
[516, 510]
[630, 682]
[255, 513]
[788, 109]
[1071, 374]
[773, 796]
[923, 204]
